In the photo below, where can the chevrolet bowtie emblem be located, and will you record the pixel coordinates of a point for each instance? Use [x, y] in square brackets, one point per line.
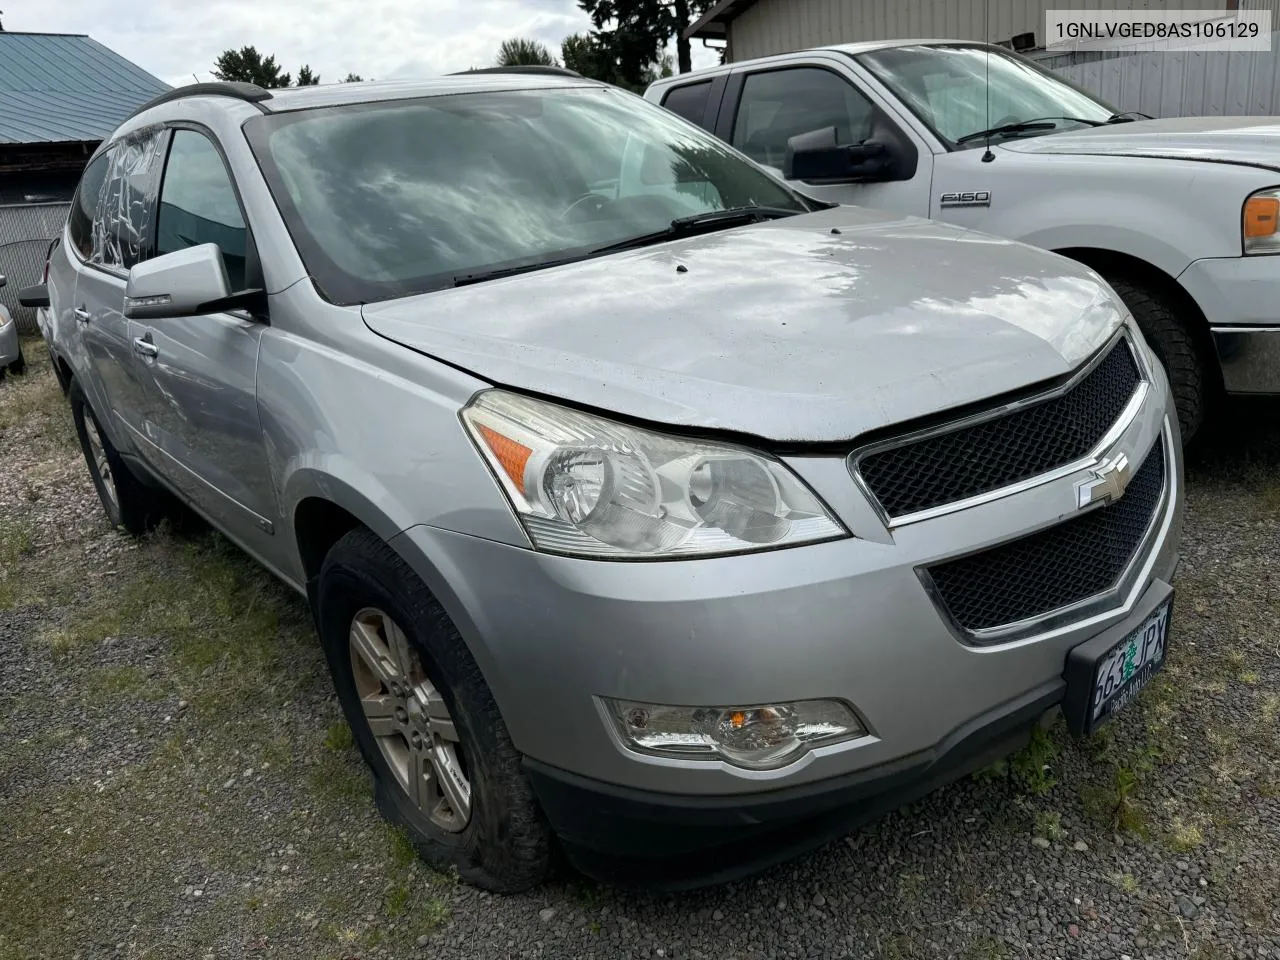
[1107, 484]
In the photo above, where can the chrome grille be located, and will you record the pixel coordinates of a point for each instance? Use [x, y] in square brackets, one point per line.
[1053, 568]
[957, 464]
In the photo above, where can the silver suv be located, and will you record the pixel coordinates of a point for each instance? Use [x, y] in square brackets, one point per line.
[640, 500]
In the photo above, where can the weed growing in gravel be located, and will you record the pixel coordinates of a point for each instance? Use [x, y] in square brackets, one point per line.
[118, 683]
[1049, 825]
[985, 948]
[1031, 768]
[1126, 882]
[1184, 837]
[338, 737]
[15, 540]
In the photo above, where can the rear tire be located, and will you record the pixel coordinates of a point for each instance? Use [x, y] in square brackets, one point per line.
[368, 598]
[1169, 332]
[128, 503]
[19, 366]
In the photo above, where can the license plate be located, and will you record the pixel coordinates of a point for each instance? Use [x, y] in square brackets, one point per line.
[1116, 675]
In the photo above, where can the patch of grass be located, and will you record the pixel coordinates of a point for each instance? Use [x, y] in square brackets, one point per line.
[1126, 882]
[400, 848]
[910, 886]
[1031, 768]
[118, 683]
[1184, 837]
[338, 737]
[15, 541]
[1049, 825]
[1115, 803]
[339, 779]
[985, 948]
[396, 902]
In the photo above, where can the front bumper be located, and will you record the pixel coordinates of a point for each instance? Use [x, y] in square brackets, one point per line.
[1239, 297]
[847, 620]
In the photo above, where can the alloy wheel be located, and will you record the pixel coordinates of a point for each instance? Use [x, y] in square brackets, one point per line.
[409, 720]
[98, 451]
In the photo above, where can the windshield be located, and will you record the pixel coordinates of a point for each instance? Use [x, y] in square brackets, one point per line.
[946, 86]
[393, 198]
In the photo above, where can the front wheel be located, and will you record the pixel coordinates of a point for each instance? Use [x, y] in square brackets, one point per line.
[442, 760]
[1169, 332]
[18, 367]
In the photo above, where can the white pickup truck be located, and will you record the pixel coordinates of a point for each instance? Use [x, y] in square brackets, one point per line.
[1180, 216]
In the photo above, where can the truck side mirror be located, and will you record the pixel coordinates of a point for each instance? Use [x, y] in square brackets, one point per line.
[815, 157]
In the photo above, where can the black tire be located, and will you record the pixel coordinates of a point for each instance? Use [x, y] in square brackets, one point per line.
[506, 844]
[19, 366]
[135, 508]
[1170, 333]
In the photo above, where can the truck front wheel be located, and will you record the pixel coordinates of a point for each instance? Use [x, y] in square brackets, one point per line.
[1169, 333]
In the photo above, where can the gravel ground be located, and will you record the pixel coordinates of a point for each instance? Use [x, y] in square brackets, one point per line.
[176, 780]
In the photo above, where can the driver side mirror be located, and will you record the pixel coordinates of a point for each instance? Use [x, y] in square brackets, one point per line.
[185, 283]
[815, 157]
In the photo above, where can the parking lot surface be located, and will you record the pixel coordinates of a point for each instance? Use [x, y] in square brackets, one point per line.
[176, 779]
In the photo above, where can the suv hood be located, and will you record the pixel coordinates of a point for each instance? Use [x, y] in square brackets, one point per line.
[787, 330]
[1251, 140]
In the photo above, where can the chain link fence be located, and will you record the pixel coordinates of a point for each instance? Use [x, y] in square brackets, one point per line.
[25, 232]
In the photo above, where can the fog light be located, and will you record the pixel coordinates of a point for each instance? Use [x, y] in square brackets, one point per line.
[761, 736]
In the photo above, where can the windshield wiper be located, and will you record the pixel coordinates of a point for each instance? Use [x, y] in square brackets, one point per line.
[701, 223]
[1127, 117]
[679, 227]
[1040, 123]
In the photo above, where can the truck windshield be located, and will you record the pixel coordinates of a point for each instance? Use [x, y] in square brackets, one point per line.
[399, 197]
[948, 87]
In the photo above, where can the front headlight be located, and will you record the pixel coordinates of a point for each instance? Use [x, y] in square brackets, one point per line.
[1258, 228]
[587, 486]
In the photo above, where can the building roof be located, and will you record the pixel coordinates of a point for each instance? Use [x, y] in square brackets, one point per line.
[59, 87]
[713, 25]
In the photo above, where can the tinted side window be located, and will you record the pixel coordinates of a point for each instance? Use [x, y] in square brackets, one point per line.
[779, 104]
[80, 217]
[689, 101]
[198, 204]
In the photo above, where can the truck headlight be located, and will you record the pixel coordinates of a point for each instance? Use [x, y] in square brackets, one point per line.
[586, 486]
[1258, 229]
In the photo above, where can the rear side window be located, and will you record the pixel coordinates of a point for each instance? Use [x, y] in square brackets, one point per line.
[122, 228]
[198, 204]
[689, 101]
[83, 207]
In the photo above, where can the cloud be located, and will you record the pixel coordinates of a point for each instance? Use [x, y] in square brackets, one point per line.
[178, 42]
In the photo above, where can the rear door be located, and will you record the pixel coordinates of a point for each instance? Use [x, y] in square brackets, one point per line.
[109, 225]
[764, 106]
[201, 416]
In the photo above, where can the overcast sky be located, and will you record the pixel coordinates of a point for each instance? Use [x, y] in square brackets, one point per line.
[381, 39]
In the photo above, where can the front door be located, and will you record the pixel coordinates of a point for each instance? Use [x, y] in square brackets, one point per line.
[775, 104]
[201, 372]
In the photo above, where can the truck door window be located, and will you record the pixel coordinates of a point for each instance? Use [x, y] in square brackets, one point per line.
[776, 105]
[689, 101]
[198, 204]
[85, 205]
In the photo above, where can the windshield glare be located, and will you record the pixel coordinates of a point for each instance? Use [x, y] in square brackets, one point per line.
[400, 197]
[947, 88]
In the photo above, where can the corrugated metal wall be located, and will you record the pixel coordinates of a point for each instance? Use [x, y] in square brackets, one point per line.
[25, 232]
[780, 26]
[1171, 84]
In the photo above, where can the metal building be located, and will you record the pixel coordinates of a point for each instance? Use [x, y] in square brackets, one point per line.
[60, 94]
[760, 28]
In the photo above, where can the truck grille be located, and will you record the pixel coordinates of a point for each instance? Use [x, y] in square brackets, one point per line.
[971, 460]
[1053, 568]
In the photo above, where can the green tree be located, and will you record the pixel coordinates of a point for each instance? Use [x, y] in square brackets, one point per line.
[580, 52]
[520, 52]
[247, 65]
[353, 78]
[306, 78]
[635, 33]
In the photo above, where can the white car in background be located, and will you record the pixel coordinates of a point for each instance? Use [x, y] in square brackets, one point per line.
[1180, 216]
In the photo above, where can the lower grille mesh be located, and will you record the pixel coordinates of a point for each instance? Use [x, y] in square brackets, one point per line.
[1056, 567]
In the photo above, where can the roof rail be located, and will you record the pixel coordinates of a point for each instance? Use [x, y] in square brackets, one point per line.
[523, 68]
[248, 92]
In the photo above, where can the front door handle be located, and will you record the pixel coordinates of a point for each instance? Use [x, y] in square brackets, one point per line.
[145, 348]
[81, 314]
